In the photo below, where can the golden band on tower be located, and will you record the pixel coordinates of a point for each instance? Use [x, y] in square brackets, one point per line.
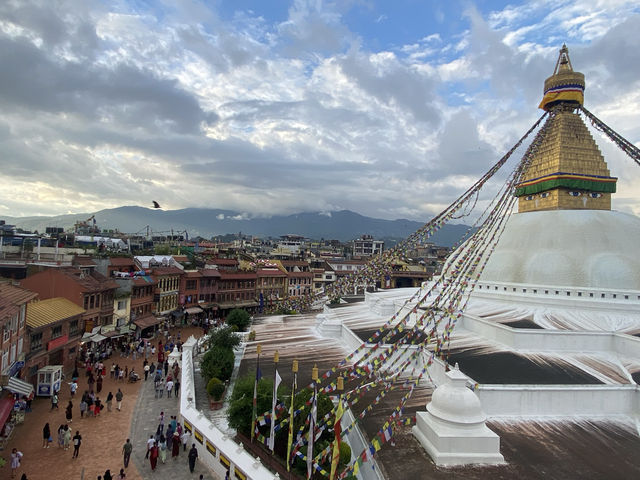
[568, 171]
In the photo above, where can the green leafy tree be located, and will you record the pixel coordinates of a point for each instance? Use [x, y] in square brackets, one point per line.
[241, 403]
[217, 362]
[224, 337]
[239, 318]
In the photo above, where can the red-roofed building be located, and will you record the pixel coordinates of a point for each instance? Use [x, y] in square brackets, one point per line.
[83, 286]
[236, 290]
[13, 308]
[120, 264]
[271, 285]
[209, 283]
[190, 289]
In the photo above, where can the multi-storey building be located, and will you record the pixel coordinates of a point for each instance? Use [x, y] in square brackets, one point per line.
[167, 294]
[13, 308]
[236, 290]
[271, 285]
[207, 294]
[142, 302]
[300, 277]
[190, 289]
[54, 329]
[323, 275]
[366, 246]
[88, 289]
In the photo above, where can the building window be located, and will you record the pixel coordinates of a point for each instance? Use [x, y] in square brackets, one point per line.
[36, 341]
[56, 331]
[6, 333]
[122, 304]
[73, 327]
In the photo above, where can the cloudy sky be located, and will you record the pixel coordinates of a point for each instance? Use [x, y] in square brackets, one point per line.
[390, 109]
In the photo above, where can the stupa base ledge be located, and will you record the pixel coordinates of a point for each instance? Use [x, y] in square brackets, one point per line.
[477, 446]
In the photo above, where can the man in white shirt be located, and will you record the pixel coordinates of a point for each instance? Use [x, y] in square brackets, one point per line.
[150, 443]
[169, 388]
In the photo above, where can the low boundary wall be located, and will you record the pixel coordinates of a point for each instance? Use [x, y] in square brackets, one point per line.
[215, 449]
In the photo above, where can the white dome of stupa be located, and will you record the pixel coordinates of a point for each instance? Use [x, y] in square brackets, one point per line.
[573, 248]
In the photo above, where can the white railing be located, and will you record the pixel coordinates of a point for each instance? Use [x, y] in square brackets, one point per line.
[215, 449]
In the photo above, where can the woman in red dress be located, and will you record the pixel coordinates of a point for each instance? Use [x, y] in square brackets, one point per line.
[153, 456]
[175, 445]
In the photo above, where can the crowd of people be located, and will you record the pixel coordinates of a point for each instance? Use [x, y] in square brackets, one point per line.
[101, 391]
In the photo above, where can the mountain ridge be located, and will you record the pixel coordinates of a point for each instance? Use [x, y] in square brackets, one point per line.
[343, 225]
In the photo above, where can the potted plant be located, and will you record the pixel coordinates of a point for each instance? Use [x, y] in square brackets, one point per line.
[215, 390]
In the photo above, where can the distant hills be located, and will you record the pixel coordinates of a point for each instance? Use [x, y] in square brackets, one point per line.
[343, 225]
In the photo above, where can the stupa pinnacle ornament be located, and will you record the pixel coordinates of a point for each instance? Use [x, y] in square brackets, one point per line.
[564, 85]
[568, 171]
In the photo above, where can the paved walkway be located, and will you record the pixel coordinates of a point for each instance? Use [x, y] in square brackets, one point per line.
[145, 423]
[102, 437]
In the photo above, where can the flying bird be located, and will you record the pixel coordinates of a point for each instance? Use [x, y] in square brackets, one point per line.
[156, 204]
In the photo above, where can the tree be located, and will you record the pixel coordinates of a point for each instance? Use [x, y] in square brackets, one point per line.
[217, 362]
[224, 337]
[239, 318]
[241, 403]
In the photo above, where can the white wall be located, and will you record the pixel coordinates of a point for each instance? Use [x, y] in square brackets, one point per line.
[562, 400]
[239, 459]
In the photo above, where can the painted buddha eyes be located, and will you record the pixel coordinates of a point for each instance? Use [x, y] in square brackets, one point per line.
[573, 193]
[595, 195]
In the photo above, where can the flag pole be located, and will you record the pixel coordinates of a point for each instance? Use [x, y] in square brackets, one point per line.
[312, 421]
[337, 430]
[274, 400]
[294, 369]
[254, 412]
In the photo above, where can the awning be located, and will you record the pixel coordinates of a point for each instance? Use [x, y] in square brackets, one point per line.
[177, 314]
[19, 386]
[192, 310]
[147, 322]
[97, 338]
[6, 405]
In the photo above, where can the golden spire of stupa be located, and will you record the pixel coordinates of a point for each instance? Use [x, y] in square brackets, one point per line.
[568, 171]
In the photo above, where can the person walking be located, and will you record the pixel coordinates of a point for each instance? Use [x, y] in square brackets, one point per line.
[69, 412]
[186, 435]
[163, 449]
[107, 475]
[153, 455]
[99, 383]
[127, 448]
[150, 444]
[66, 437]
[61, 436]
[169, 387]
[176, 386]
[119, 399]
[54, 401]
[193, 455]
[122, 475]
[109, 401]
[16, 457]
[175, 445]
[77, 441]
[46, 435]
[146, 369]
[166, 367]
[83, 407]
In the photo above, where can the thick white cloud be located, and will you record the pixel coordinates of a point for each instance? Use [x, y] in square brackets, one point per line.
[102, 106]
